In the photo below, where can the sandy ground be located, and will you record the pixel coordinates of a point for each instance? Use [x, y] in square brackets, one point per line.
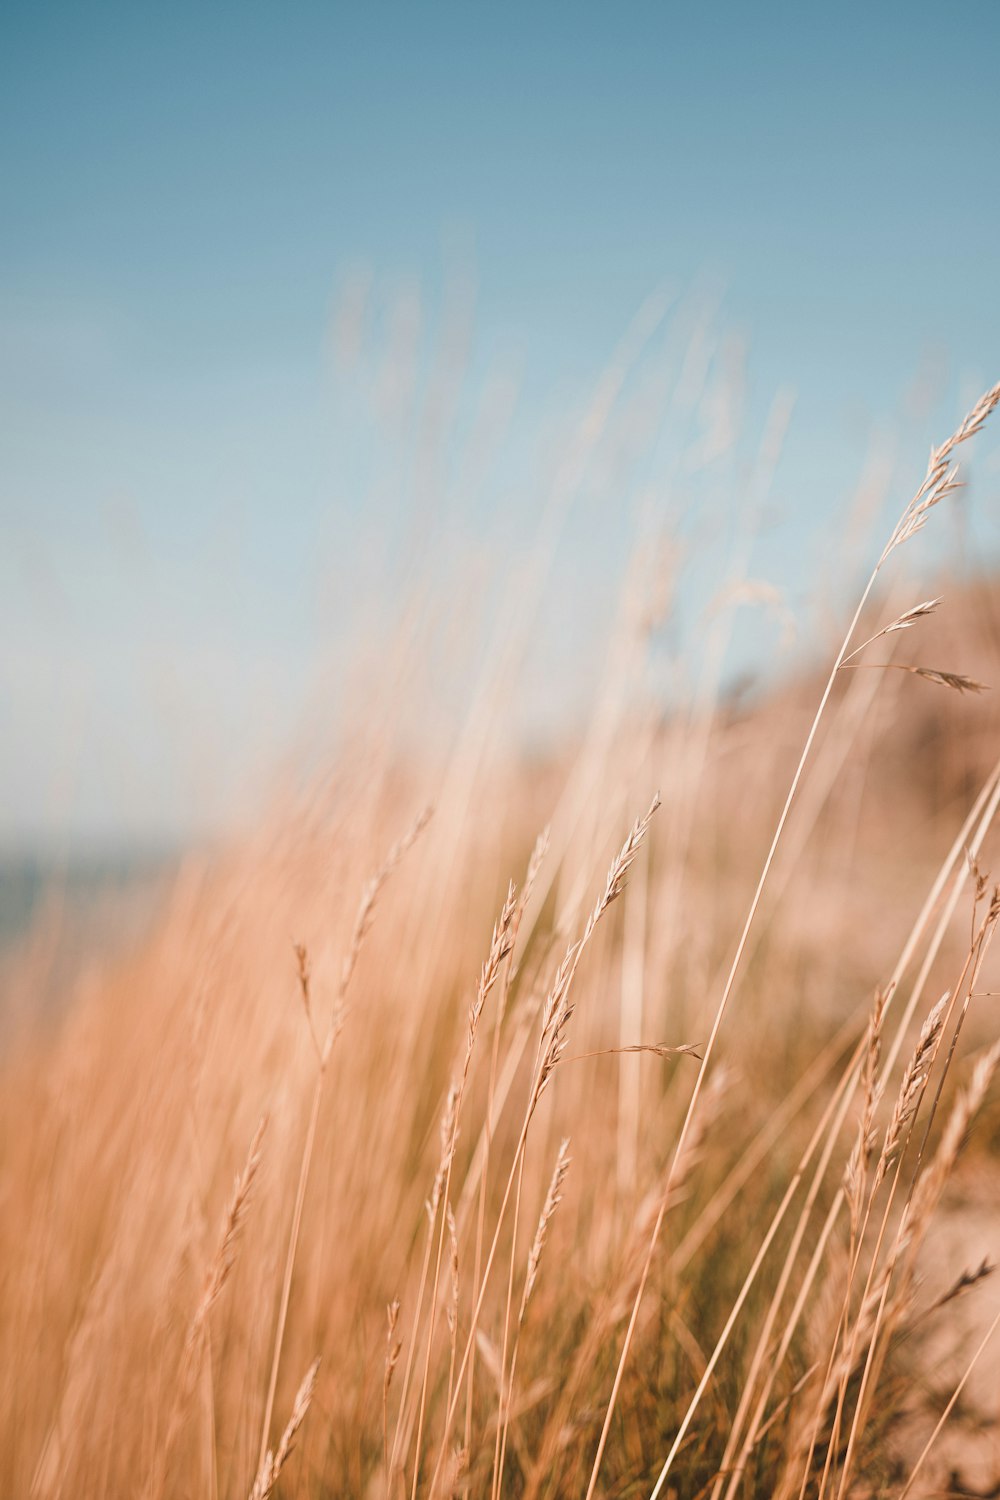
[965, 1458]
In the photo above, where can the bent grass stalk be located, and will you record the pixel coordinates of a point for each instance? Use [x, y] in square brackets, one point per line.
[557, 1012]
[939, 481]
[552, 1200]
[362, 923]
[917, 1211]
[531, 875]
[709, 1048]
[980, 818]
[984, 810]
[500, 949]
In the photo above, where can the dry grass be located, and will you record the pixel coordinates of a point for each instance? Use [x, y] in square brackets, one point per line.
[723, 1296]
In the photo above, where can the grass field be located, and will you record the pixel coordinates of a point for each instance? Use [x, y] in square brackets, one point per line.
[618, 1120]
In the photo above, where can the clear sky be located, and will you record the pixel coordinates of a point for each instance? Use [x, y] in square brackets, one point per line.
[185, 188]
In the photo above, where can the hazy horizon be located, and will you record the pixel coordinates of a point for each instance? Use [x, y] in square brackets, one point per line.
[247, 251]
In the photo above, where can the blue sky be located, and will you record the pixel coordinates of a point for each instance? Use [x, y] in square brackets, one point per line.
[185, 188]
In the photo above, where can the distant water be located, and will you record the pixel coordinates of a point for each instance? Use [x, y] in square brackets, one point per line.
[60, 914]
[80, 883]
